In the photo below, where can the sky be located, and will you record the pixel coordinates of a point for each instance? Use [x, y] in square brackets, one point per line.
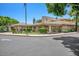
[13, 10]
[34, 10]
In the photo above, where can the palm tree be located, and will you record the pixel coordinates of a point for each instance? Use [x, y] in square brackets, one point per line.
[25, 13]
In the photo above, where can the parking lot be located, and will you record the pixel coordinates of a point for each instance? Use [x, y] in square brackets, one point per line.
[35, 46]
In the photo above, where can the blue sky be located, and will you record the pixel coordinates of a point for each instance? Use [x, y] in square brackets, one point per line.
[34, 10]
[38, 10]
[13, 10]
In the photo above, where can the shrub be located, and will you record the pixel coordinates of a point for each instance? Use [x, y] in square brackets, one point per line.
[71, 30]
[13, 30]
[43, 30]
[3, 28]
[28, 30]
[65, 31]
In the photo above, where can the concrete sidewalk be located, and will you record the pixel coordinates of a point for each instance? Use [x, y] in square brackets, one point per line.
[57, 34]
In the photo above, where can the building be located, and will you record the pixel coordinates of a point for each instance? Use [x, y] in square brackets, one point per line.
[51, 24]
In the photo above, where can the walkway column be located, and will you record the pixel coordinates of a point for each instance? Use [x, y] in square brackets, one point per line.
[33, 28]
[49, 29]
[9, 27]
[36, 29]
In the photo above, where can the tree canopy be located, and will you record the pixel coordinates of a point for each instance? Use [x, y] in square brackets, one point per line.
[5, 22]
[58, 9]
[34, 20]
[38, 21]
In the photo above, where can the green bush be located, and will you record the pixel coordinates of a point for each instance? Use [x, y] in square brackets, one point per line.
[28, 30]
[65, 31]
[43, 30]
[13, 30]
[3, 28]
[71, 30]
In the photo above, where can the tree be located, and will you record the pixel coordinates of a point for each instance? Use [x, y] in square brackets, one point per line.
[58, 9]
[75, 12]
[3, 28]
[38, 21]
[34, 20]
[7, 21]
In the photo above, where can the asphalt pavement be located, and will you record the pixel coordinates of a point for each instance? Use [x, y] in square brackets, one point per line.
[32, 46]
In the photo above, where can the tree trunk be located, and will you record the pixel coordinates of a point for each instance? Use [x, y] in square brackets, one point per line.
[76, 23]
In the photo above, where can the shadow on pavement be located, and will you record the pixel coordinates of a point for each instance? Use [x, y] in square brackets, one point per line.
[70, 42]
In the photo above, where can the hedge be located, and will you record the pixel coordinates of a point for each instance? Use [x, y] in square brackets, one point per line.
[43, 30]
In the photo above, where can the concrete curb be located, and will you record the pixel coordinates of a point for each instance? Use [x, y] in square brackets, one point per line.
[41, 35]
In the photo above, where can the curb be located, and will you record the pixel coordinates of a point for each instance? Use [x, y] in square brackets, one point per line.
[42, 35]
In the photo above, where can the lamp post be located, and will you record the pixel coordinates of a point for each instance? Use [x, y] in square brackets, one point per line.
[25, 12]
[25, 7]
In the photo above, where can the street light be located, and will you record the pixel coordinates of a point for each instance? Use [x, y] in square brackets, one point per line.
[25, 7]
[25, 12]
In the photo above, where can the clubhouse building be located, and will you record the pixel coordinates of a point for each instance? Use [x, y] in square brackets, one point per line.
[51, 24]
